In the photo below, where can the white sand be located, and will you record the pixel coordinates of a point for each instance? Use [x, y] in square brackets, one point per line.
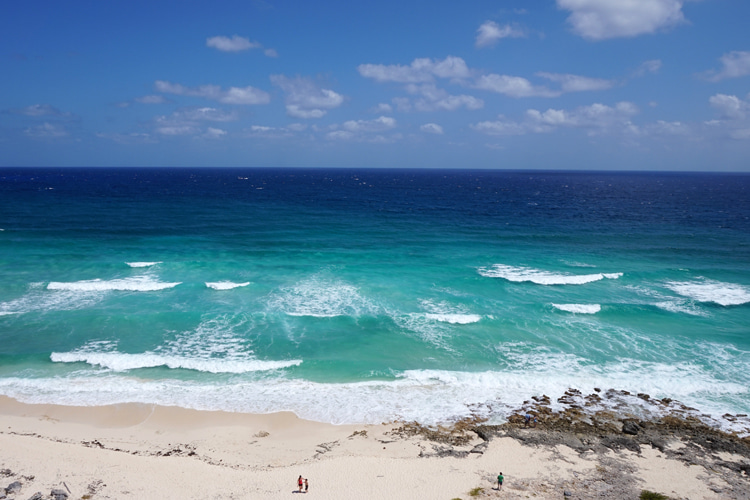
[234, 458]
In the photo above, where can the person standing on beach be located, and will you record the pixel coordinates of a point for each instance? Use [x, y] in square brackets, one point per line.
[500, 479]
[299, 483]
[306, 485]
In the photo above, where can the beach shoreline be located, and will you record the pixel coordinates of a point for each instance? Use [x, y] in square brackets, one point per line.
[148, 451]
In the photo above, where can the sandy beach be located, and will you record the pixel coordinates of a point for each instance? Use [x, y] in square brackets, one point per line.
[143, 451]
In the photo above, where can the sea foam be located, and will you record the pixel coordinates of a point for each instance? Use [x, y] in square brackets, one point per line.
[540, 277]
[579, 308]
[724, 294]
[134, 284]
[122, 362]
[142, 264]
[456, 319]
[427, 396]
[322, 298]
[225, 285]
[443, 311]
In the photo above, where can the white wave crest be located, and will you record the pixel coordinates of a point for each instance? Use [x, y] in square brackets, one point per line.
[225, 285]
[446, 312]
[579, 308]
[724, 294]
[540, 277]
[142, 264]
[135, 284]
[122, 362]
[667, 302]
[456, 319]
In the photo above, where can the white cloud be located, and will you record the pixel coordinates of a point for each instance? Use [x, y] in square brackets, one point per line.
[731, 107]
[205, 114]
[734, 64]
[434, 99]
[271, 53]
[420, 71]
[151, 99]
[185, 121]
[648, 67]
[597, 118]
[432, 128]
[734, 114]
[513, 86]
[132, 138]
[662, 127]
[304, 99]
[340, 135]
[39, 110]
[47, 131]
[376, 125]
[500, 127]
[233, 95]
[264, 132]
[490, 32]
[365, 131]
[234, 44]
[603, 19]
[214, 133]
[575, 83]
[177, 130]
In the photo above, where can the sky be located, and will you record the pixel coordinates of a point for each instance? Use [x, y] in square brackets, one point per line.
[517, 84]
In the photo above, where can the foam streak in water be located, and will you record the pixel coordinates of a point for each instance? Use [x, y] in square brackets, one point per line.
[724, 294]
[323, 299]
[135, 284]
[122, 362]
[225, 285]
[579, 308]
[540, 277]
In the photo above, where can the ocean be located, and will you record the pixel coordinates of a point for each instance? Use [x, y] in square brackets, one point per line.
[364, 296]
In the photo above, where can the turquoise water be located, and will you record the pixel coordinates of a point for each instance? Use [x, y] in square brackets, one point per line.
[371, 295]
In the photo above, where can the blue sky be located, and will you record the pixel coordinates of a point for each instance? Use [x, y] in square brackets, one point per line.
[535, 84]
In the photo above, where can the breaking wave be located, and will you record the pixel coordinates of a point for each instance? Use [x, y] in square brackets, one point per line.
[540, 277]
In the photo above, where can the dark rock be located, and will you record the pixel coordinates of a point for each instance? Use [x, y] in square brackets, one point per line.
[13, 488]
[616, 443]
[482, 433]
[631, 428]
[480, 448]
[658, 443]
[36, 496]
[59, 494]
[566, 493]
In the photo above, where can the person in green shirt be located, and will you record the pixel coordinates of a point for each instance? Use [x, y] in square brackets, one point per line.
[500, 480]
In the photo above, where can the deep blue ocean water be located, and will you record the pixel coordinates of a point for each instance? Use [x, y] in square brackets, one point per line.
[372, 295]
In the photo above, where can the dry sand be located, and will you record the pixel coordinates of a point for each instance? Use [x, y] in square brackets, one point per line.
[145, 451]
